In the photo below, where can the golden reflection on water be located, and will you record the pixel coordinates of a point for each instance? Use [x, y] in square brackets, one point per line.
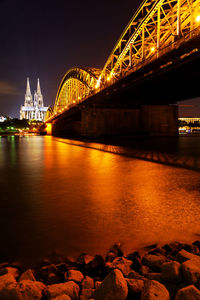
[78, 199]
[105, 198]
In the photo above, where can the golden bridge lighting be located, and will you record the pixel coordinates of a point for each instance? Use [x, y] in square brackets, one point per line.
[198, 19]
[137, 46]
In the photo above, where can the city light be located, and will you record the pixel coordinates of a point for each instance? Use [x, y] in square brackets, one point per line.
[152, 49]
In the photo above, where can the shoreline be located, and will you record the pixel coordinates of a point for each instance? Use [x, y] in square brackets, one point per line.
[170, 271]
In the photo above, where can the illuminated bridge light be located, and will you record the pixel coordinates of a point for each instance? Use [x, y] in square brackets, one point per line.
[198, 19]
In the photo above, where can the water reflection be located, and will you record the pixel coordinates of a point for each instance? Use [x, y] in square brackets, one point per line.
[61, 196]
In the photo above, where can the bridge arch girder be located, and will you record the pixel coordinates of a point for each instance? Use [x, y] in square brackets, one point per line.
[152, 31]
[75, 86]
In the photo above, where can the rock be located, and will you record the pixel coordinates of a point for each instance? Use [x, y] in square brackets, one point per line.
[114, 287]
[31, 290]
[157, 251]
[184, 255]
[7, 287]
[51, 279]
[122, 264]
[97, 284]
[145, 270]
[154, 290]
[116, 250]
[188, 293]
[154, 276]
[11, 271]
[135, 257]
[135, 275]
[197, 244]
[45, 271]
[110, 257]
[171, 272]
[62, 268]
[87, 283]
[69, 288]
[135, 287]
[63, 297]
[191, 271]
[154, 261]
[191, 248]
[87, 294]
[74, 275]
[96, 267]
[84, 259]
[27, 275]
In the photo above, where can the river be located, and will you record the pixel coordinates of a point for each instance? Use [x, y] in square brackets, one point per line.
[57, 194]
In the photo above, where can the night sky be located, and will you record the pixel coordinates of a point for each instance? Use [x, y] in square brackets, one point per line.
[43, 39]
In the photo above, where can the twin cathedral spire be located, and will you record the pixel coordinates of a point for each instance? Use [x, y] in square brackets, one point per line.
[33, 105]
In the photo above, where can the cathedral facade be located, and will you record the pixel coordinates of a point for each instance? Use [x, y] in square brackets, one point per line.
[33, 108]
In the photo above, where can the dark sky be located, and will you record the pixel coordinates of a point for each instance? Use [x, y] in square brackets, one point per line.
[45, 38]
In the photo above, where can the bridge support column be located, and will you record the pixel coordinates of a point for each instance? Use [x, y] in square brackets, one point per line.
[49, 128]
[160, 120]
[155, 120]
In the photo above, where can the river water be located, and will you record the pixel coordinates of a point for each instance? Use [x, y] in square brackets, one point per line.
[57, 195]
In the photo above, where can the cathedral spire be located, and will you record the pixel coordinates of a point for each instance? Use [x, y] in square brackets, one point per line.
[28, 89]
[38, 87]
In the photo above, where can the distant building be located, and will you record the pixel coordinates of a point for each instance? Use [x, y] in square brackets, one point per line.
[33, 107]
[2, 118]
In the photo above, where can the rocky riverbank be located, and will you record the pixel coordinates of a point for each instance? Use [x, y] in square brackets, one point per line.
[170, 271]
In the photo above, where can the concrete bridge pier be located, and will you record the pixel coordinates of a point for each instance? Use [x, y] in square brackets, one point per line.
[150, 120]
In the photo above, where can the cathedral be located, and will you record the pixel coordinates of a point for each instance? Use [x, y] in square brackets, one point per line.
[33, 106]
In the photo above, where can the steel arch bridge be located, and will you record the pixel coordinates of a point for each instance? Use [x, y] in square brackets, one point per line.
[157, 27]
[75, 87]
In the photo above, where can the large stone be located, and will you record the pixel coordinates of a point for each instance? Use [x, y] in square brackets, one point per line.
[171, 272]
[74, 275]
[154, 261]
[9, 270]
[84, 259]
[154, 290]
[113, 287]
[63, 297]
[188, 293]
[135, 275]
[45, 271]
[184, 255]
[7, 287]
[28, 275]
[69, 288]
[191, 271]
[135, 287]
[87, 294]
[31, 290]
[87, 283]
[122, 264]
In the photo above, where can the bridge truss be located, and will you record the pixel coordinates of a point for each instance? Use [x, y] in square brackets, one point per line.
[75, 87]
[157, 27]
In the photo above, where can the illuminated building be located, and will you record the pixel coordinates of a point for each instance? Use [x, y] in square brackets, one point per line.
[33, 106]
[189, 120]
[2, 118]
